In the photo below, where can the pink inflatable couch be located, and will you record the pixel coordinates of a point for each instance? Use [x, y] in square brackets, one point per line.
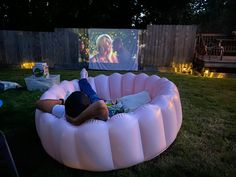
[125, 139]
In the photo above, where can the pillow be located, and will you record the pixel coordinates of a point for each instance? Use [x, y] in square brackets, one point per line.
[5, 85]
[132, 102]
[58, 111]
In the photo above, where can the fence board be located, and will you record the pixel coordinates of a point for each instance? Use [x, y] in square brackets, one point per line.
[161, 60]
[158, 51]
[173, 43]
[2, 50]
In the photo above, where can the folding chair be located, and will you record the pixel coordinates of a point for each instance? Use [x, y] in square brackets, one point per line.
[5, 150]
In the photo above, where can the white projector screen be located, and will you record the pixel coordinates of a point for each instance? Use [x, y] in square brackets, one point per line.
[113, 49]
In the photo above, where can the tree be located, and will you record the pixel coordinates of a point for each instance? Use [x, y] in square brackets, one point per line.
[25, 14]
[215, 15]
[211, 15]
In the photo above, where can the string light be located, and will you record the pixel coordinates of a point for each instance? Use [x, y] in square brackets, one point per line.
[187, 68]
[209, 74]
[182, 68]
[27, 65]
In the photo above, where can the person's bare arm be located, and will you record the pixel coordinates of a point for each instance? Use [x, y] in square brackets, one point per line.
[97, 109]
[47, 105]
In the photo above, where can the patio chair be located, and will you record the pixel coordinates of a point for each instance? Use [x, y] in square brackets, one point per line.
[5, 151]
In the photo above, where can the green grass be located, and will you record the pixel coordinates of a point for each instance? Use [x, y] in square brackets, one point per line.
[205, 145]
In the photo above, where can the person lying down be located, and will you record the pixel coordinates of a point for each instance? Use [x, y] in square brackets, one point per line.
[84, 105]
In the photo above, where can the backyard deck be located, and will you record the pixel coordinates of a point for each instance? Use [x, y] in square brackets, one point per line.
[214, 52]
[227, 64]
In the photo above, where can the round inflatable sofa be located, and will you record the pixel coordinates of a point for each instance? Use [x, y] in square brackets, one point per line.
[125, 139]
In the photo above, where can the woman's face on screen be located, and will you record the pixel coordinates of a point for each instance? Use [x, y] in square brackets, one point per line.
[105, 46]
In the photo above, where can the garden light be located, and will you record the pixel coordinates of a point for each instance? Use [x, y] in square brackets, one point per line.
[206, 72]
[209, 74]
[182, 68]
[27, 65]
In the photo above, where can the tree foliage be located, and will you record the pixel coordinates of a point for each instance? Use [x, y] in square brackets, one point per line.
[210, 15]
[215, 15]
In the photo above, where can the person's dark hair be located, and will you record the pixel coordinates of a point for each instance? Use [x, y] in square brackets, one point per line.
[76, 103]
[117, 41]
[117, 44]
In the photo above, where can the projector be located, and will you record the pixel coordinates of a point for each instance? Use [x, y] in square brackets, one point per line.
[40, 70]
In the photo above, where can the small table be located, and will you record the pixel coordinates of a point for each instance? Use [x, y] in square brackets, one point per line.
[42, 84]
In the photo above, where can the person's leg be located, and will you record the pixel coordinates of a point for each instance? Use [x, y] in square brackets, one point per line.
[88, 90]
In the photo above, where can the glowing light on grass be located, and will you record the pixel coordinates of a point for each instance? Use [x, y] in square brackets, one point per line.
[27, 65]
[209, 74]
[183, 68]
[187, 68]
[221, 75]
[206, 73]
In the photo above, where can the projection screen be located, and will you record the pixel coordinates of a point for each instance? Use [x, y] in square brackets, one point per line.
[113, 49]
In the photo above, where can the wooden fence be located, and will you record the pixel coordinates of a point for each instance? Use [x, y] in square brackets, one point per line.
[165, 44]
[159, 46]
[59, 47]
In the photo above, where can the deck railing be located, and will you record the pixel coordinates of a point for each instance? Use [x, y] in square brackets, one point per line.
[217, 45]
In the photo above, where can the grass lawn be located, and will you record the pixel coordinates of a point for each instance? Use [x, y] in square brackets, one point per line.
[205, 145]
